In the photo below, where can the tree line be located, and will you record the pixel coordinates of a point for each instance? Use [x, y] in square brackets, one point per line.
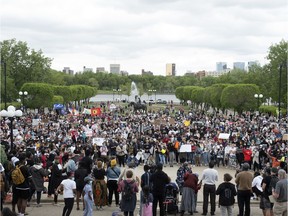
[26, 65]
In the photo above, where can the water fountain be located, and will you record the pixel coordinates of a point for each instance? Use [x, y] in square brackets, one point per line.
[134, 91]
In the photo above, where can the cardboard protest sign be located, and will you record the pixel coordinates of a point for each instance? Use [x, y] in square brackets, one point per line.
[185, 148]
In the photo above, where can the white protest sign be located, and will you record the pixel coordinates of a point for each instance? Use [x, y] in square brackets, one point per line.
[35, 122]
[98, 141]
[89, 133]
[223, 136]
[185, 148]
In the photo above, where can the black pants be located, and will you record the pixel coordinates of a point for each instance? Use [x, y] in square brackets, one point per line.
[69, 202]
[158, 198]
[129, 213]
[209, 190]
[32, 191]
[112, 188]
[121, 160]
[244, 197]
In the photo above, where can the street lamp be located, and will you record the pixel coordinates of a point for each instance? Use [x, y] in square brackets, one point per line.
[119, 91]
[11, 113]
[114, 90]
[5, 85]
[23, 94]
[258, 97]
[153, 90]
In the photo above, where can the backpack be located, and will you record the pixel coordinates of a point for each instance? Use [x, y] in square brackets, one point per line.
[127, 192]
[274, 180]
[17, 176]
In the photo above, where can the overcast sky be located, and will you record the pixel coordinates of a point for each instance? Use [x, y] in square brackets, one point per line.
[146, 34]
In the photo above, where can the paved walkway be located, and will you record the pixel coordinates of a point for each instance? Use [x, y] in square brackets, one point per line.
[49, 209]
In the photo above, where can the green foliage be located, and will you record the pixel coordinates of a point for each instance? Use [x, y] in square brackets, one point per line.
[215, 93]
[57, 99]
[40, 95]
[197, 95]
[24, 64]
[239, 97]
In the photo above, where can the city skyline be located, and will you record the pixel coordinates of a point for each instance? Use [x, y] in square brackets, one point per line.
[146, 34]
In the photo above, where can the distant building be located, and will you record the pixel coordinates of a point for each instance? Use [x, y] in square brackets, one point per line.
[143, 72]
[252, 63]
[115, 68]
[217, 74]
[85, 69]
[171, 69]
[124, 73]
[239, 65]
[221, 66]
[100, 69]
[68, 71]
[200, 74]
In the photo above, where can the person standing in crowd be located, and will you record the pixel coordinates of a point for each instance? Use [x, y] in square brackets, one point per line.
[244, 185]
[121, 152]
[266, 203]
[3, 185]
[113, 173]
[256, 184]
[181, 172]
[56, 177]
[247, 156]
[22, 191]
[68, 186]
[280, 194]
[146, 201]
[99, 186]
[79, 176]
[38, 173]
[190, 187]
[159, 179]
[87, 161]
[226, 192]
[128, 201]
[209, 178]
[88, 196]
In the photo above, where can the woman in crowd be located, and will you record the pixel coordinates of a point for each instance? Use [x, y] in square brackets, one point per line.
[79, 175]
[88, 196]
[99, 186]
[113, 173]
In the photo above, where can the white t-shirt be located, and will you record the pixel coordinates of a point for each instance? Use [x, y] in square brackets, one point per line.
[209, 176]
[68, 185]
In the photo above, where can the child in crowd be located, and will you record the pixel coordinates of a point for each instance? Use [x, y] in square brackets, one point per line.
[226, 192]
[146, 201]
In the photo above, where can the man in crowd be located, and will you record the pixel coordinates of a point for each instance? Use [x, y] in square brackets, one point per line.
[280, 194]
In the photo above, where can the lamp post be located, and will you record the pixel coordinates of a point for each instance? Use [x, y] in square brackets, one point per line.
[114, 90]
[5, 85]
[258, 97]
[279, 97]
[22, 95]
[119, 91]
[11, 113]
[153, 90]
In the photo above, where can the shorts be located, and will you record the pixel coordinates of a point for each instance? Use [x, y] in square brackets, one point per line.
[23, 194]
[265, 203]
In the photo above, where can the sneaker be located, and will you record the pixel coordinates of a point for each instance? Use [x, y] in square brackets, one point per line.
[101, 209]
[38, 205]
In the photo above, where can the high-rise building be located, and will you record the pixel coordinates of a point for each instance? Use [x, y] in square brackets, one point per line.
[115, 68]
[239, 65]
[68, 71]
[100, 69]
[85, 69]
[251, 63]
[221, 66]
[171, 69]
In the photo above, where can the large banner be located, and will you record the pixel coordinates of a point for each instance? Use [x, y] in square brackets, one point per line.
[96, 111]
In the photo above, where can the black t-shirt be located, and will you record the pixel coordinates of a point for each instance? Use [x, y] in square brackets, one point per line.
[99, 174]
[267, 181]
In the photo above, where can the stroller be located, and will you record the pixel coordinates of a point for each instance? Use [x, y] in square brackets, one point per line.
[171, 199]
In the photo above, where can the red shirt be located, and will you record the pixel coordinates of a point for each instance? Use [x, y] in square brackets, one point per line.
[247, 154]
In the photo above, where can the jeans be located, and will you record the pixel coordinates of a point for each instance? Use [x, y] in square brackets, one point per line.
[69, 202]
[209, 190]
[128, 213]
[226, 210]
[192, 158]
[171, 158]
[162, 159]
[205, 157]
[244, 197]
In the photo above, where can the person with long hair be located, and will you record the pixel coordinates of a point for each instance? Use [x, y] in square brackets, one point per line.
[79, 176]
[99, 186]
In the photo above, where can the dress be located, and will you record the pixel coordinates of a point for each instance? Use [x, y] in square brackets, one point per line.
[88, 211]
[99, 187]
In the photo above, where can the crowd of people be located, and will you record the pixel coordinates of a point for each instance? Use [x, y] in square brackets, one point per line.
[95, 157]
